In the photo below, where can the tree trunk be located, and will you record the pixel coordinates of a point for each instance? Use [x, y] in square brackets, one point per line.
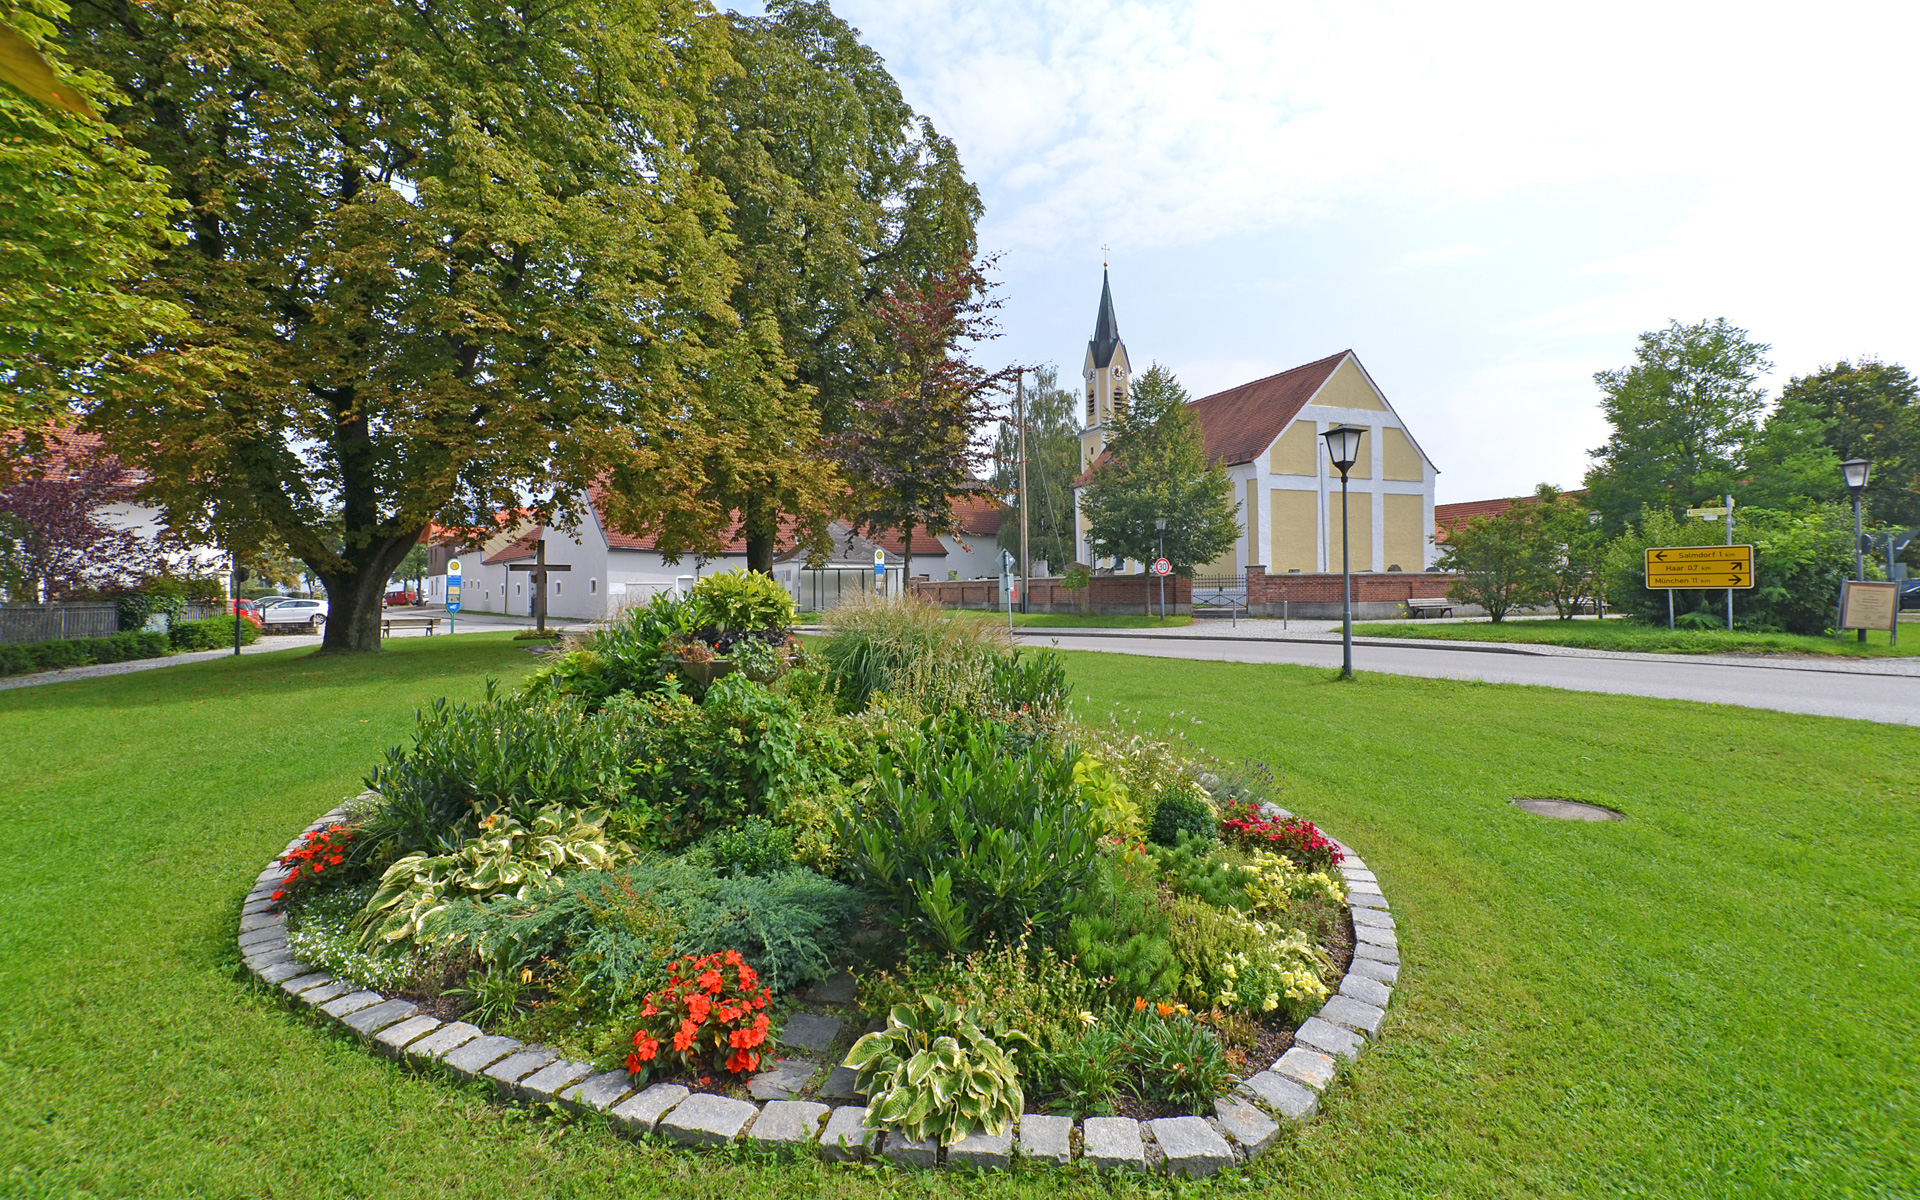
[356, 599]
[758, 527]
[906, 564]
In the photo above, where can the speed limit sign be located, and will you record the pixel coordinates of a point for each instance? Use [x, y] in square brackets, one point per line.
[1162, 567]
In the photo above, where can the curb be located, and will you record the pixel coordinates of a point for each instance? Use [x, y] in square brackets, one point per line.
[1244, 1125]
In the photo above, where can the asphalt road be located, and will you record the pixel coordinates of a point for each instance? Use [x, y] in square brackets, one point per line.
[1883, 690]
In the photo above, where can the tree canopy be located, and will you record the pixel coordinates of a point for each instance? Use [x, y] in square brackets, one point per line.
[1156, 467]
[1053, 461]
[1869, 410]
[456, 256]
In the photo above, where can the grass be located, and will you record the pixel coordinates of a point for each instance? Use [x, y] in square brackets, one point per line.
[1712, 998]
[1647, 639]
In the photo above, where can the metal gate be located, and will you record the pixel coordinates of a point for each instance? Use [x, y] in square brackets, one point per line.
[1220, 595]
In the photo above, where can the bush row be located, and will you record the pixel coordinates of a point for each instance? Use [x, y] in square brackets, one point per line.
[81, 652]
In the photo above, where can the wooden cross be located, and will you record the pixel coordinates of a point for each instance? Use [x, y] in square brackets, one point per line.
[538, 568]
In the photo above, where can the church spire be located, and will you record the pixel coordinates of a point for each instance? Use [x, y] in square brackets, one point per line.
[1106, 328]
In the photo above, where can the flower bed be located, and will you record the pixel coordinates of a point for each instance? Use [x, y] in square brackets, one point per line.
[705, 893]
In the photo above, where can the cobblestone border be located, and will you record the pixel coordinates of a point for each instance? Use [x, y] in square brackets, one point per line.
[1243, 1126]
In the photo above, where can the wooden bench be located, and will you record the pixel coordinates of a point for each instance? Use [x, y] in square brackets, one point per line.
[1428, 606]
[389, 624]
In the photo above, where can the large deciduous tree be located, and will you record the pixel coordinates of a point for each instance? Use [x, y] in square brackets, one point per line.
[1870, 410]
[458, 256]
[1683, 416]
[82, 213]
[1156, 466]
[841, 201]
[909, 448]
[1053, 460]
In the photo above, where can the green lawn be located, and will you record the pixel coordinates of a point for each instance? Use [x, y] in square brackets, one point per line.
[1712, 998]
[1647, 639]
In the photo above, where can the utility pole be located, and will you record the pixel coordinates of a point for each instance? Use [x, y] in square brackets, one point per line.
[1020, 414]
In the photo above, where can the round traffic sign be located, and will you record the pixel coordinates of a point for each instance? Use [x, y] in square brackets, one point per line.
[1162, 567]
[879, 558]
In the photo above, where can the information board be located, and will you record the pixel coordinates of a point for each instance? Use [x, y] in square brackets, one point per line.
[1716, 567]
[1869, 605]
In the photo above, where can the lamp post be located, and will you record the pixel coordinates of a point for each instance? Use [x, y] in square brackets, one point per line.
[1343, 447]
[1160, 529]
[1855, 471]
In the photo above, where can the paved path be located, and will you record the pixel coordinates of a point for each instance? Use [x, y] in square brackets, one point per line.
[1883, 690]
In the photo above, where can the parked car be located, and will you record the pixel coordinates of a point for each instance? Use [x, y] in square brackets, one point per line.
[249, 609]
[1909, 594]
[293, 613]
[396, 599]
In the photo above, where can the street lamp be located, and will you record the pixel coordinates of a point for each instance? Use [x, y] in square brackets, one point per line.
[1855, 471]
[1160, 528]
[1343, 447]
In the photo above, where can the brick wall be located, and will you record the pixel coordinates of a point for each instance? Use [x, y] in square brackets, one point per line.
[1377, 595]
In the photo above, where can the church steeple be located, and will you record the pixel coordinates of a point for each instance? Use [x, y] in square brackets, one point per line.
[1106, 373]
[1106, 327]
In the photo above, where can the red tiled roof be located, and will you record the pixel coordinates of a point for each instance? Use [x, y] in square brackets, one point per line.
[925, 545]
[1241, 422]
[68, 450]
[979, 515]
[1446, 516]
[520, 548]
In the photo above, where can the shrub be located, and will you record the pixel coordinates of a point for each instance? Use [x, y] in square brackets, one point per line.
[504, 858]
[504, 754]
[213, 633]
[622, 658]
[1800, 559]
[1175, 1060]
[1082, 1070]
[23, 657]
[1265, 827]
[932, 1073]
[1120, 935]
[712, 1014]
[736, 603]
[1182, 813]
[1235, 963]
[158, 596]
[1032, 682]
[701, 765]
[755, 846]
[1192, 869]
[968, 841]
[912, 651]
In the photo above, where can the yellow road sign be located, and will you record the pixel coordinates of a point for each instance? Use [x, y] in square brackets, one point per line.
[1699, 567]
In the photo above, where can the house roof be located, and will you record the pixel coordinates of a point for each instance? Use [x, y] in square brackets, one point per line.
[1446, 516]
[979, 515]
[520, 549]
[1106, 327]
[68, 452]
[1241, 422]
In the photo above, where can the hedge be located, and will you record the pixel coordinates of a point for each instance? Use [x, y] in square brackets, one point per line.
[81, 652]
[214, 633]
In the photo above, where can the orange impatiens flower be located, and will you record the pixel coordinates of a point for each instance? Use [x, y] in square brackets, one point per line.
[1139, 1004]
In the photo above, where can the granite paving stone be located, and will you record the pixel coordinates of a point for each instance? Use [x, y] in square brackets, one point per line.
[509, 1071]
[546, 1083]
[371, 1020]
[1045, 1138]
[300, 983]
[1365, 990]
[1385, 972]
[1386, 954]
[1245, 1124]
[642, 1113]
[982, 1151]
[1306, 1066]
[599, 1093]
[1362, 900]
[910, 1152]
[1354, 1014]
[788, 1076]
[808, 1031]
[703, 1119]
[340, 1006]
[1191, 1147]
[787, 1125]
[1112, 1143]
[1290, 1099]
[842, 1084]
[1376, 937]
[846, 1137]
[321, 993]
[473, 1057]
[254, 922]
[838, 988]
[1363, 886]
[1372, 918]
[394, 1038]
[1328, 1038]
[1359, 873]
[442, 1041]
[249, 942]
[283, 970]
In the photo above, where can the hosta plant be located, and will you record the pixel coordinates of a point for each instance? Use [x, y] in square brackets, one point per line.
[711, 1015]
[932, 1073]
[506, 858]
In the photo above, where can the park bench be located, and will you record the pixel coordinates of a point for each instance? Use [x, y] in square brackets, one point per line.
[389, 624]
[1428, 606]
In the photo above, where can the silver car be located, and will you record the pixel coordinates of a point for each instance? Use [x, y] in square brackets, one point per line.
[295, 613]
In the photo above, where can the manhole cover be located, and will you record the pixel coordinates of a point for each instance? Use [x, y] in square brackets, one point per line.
[1568, 810]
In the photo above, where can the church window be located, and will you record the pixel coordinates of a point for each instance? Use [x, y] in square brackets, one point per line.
[1089, 404]
[593, 587]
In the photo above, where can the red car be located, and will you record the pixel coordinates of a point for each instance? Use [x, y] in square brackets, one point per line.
[250, 609]
[396, 599]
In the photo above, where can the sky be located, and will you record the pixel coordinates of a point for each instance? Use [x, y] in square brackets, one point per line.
[1486, 202]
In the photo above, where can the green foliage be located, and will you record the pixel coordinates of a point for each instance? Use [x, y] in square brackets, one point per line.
[1500, 559]
[1104, 792]
[506, 753]
[697, 766]
[967, 840]
[932, 1073]
[1684, 416]
[755, 846]
[503, 858]
[743, 602]
[1148, 769]
[157, 596]
[212, 633]
[1121, 933]
[1191, 867]
[323, 930]
[1175, 1060]
[1032, 682]
[19, 658]
[1183, 814]
[1232, 962]
[1053, 461]
[1157, 467]
[1867, 409]
[911, 651]
[1082, 1069]
[493, 996]
[1010, 985]
[622, 658]
[1800, 559]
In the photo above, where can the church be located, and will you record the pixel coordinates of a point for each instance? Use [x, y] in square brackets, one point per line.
[1267, 435]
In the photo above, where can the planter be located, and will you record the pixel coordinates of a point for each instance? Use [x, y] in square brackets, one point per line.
[703, 673]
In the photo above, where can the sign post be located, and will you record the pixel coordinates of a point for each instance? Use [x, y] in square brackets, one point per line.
[1162, 568]
[1865, 606]
[453, 595]
[879, 572]
[1006, 584]
[1698, 567]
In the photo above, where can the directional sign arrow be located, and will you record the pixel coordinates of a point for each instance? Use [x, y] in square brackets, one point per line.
[1661, 555]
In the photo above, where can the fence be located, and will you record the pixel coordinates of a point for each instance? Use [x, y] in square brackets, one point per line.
[58, 622]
